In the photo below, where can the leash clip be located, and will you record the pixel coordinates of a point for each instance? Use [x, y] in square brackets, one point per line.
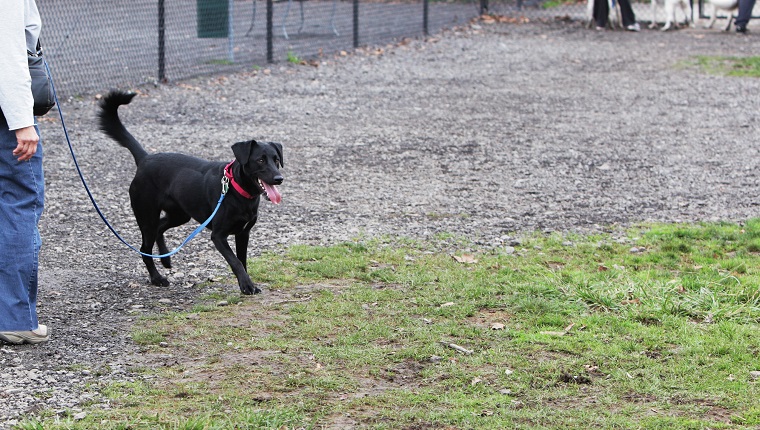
[225, 184]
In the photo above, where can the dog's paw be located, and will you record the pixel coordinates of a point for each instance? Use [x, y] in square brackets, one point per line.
[166, 262]
[159, 281]
[249, 288]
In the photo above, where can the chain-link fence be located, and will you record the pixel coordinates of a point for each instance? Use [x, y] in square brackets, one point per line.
[97, 44]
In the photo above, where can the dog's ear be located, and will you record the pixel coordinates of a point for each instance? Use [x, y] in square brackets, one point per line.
[278, 148]
[242, 151]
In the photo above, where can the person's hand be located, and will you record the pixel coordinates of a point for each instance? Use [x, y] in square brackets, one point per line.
[27, 143]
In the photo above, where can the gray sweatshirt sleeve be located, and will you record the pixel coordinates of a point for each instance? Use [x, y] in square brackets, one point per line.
[19, 31]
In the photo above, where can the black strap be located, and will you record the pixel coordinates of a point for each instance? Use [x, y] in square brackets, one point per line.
[39, 50]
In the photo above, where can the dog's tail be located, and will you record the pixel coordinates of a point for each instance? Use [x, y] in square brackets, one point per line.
[111, 124]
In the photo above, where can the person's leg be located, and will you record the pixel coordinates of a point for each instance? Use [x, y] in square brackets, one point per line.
[745, 13]
[629, 18]
[601, 13]
[21, 204]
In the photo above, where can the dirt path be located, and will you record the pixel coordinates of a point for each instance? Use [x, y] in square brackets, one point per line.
[486, 132]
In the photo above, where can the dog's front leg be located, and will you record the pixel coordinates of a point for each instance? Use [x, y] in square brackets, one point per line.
[241, 248]
[653, 8]
[244, 281]
[714, 16]
[687, 11]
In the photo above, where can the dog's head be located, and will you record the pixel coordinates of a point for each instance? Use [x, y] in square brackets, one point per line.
[259, 165]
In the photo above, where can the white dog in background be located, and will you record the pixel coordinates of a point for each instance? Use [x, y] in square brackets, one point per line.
[670, 13]
[728, 6]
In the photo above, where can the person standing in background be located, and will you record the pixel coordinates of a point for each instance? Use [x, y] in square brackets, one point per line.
[601, 13]
[21, 177]
[745, 13]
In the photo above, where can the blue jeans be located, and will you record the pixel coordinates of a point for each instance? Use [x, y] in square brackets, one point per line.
[22, 189]
[745, 12]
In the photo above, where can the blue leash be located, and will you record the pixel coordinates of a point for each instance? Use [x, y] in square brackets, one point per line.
[225, 187]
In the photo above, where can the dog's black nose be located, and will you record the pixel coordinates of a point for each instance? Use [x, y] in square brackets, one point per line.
[277, 179]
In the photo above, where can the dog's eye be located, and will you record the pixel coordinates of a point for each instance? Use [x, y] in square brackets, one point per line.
[260, 161]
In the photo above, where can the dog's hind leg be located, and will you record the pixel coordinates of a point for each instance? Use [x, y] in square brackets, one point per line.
[730, 20]
[147, 217]
[714, 16]
[171, 220]
[149, 239]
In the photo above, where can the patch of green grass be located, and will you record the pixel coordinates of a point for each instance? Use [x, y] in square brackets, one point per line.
[653, 327]
[148, 336]
[731, 66]
[293, 58]
[549, 4]
[220, 62]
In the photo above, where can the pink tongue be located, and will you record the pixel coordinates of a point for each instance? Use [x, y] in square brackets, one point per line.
[272, 194]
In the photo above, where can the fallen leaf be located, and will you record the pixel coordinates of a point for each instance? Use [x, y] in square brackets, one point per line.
[475, 381]
[466, 258]
[447, 304]
[591, 368]
[497, 326]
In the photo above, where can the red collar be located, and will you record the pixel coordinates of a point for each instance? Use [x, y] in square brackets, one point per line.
[233, 182]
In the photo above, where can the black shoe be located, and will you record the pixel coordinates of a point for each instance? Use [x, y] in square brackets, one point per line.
[741, 28]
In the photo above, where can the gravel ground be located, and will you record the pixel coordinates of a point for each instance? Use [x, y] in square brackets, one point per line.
[485, 132]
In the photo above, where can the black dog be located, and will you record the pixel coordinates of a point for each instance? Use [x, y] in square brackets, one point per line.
[185, 187]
